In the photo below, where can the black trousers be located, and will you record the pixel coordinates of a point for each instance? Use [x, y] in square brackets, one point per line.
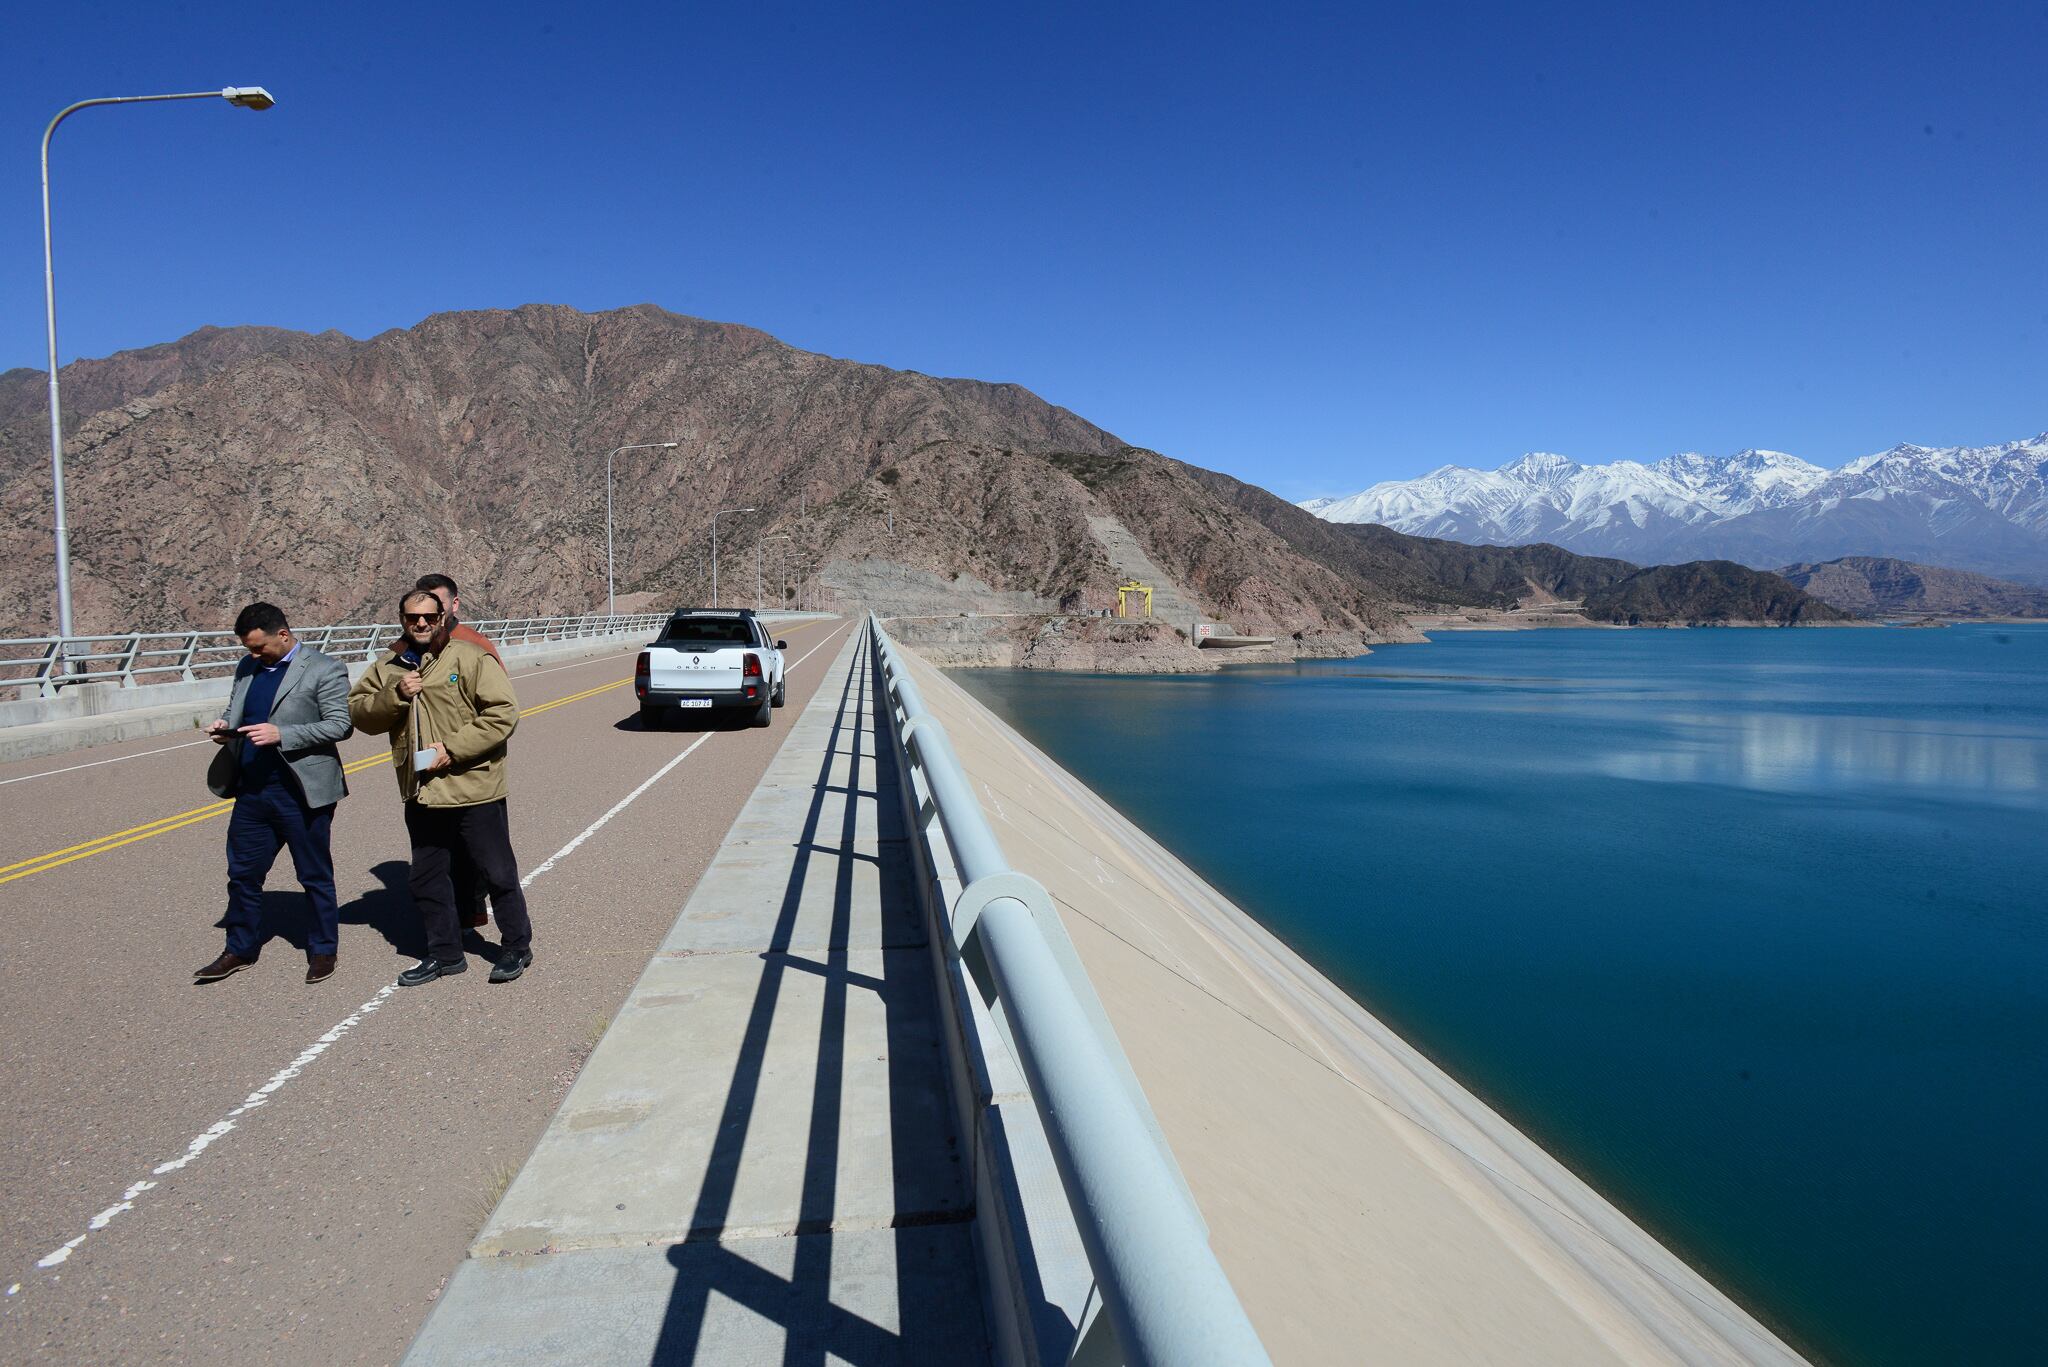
[482, 834]
[470, 900]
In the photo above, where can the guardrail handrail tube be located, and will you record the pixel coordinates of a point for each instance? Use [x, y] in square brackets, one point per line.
[1165, 1294]
[1164, 1291]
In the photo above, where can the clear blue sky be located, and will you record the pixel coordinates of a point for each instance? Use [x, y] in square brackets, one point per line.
[1314, 247]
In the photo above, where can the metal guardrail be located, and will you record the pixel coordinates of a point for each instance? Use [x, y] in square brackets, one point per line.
[45, 664]
[1166, 1296]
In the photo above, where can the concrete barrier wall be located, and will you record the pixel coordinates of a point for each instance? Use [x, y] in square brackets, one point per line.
[100, 714]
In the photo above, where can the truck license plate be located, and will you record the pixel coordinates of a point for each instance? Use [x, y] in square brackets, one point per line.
[693, 702]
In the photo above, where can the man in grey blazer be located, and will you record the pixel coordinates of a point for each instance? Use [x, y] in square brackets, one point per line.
[278, 761]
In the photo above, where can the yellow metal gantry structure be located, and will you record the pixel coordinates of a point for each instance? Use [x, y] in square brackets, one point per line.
[1123, 597]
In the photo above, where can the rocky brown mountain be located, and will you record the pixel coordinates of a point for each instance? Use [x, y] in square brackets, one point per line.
[325, 473]
[1707, 593]
[1874, 586]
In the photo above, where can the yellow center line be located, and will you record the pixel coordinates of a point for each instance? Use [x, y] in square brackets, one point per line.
[72, 853]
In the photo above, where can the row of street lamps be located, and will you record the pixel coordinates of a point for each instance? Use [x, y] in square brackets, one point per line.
[256, 97]
[611, 598]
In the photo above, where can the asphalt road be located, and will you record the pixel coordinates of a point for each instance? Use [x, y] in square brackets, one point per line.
[342, 1142]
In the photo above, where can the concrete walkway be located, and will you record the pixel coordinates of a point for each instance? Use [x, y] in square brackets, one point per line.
[757, 1163]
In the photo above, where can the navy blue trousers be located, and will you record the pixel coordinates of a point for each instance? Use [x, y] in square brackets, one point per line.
[265, 821]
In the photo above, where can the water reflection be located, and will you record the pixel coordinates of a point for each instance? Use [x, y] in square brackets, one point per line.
[1798, 753]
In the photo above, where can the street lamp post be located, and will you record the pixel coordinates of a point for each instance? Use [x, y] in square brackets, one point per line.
[714, 548]
[244, 97]
[611, 604]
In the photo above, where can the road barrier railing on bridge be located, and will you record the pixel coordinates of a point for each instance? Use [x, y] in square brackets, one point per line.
[39, 666]
[1010, 966]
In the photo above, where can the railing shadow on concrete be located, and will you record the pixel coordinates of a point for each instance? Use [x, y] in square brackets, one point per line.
[816, 1329]
[1016, 997]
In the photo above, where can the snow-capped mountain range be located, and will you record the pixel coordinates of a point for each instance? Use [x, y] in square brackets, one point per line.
[1982, 508]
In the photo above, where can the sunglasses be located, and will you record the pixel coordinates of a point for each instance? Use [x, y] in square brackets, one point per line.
[421, 616]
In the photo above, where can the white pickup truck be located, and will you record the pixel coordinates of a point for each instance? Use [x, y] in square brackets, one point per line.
[710, 658]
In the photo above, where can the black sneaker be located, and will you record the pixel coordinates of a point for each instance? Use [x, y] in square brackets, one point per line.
[511, 963]
[426, 970]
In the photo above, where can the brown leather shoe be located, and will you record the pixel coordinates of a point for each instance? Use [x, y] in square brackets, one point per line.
[319, 967]
[226, 966]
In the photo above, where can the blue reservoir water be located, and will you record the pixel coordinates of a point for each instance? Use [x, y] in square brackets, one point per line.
[1746, 926]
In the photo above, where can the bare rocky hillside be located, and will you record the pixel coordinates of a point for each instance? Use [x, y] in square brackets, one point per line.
[1874, 586]
[324, 473]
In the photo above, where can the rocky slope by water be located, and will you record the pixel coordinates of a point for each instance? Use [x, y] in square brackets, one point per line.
[1706, 593]
[1872, 586]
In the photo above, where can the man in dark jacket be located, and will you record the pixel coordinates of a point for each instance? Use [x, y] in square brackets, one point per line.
[277, 760]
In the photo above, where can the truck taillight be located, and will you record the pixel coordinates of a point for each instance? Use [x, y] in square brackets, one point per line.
[642, 668]
[753, 670]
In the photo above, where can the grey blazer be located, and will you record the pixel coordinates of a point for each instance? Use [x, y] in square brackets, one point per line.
[310, 713]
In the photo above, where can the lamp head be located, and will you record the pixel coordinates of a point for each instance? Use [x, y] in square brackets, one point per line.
[248, 96]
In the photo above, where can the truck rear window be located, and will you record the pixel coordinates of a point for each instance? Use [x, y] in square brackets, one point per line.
[706, 632]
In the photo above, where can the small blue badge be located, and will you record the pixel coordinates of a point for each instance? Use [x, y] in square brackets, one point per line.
[452, 678]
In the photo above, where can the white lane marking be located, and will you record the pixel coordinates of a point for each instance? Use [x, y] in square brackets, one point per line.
[262, 1095]
[52, 1259]
[621, 806]
[74, 768]
[812, 651]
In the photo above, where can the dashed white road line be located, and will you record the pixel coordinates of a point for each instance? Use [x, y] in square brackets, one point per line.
[262, 1095]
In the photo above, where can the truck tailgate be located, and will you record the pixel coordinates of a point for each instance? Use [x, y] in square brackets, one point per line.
[682, 671]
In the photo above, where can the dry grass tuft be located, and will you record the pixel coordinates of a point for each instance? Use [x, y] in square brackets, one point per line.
[493, 1192]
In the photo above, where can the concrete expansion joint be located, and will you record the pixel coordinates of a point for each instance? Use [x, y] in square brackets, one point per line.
[734, 1234]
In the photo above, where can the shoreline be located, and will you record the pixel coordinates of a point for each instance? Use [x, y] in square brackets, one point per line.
[1066, 643]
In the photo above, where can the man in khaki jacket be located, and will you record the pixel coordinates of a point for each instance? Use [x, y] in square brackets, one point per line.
[449, 710]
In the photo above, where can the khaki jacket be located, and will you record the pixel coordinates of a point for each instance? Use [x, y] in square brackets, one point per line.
[467, 705]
